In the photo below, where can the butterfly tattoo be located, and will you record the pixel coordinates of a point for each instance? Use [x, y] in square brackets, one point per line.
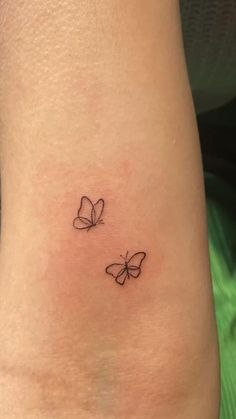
[89, 214]
[131, 267]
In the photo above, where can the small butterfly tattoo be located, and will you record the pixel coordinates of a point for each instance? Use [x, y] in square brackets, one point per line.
[89, 214]
[131, 267]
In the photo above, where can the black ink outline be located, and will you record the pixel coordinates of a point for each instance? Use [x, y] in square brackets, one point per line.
[124, 267]
[89, 223]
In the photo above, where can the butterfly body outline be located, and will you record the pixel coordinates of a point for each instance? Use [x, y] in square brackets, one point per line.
[130, 268]
[89, 214]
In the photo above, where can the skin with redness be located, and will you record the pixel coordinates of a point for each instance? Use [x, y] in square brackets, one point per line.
[95, 102]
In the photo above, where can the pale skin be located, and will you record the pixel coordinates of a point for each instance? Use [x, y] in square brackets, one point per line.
[95, 101]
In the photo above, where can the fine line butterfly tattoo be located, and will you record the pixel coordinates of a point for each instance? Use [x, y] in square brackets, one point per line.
[89, 214]
[131, 267]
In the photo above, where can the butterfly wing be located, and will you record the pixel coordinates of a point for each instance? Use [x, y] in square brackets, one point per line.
[81, 223]
[97, 211]
[118, 271]
[134, 271]
[122, 278]
[134, 264]
[84, 217]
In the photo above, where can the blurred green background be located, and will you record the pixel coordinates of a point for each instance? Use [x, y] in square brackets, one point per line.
[218, 141]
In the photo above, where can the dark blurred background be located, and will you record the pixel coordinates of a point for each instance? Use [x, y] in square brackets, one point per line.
[217, 131]
[209, 34]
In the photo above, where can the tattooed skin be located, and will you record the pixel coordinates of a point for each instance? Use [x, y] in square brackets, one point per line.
[131, 267]
[89, 215]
